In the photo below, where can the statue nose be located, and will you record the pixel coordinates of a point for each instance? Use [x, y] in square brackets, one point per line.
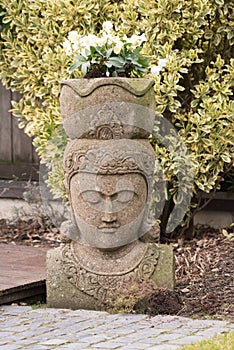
[108, 214]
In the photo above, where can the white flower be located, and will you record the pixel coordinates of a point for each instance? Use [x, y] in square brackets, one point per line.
[135, 40]
[89, 40]
[73, 36]
[162, 62]
[101, 41]
[67, 47]
[109, 39]
[118, 47]
[76, 46]
[125, 38]
[107, 26]
[109, 43]
[155, 70]
[143, 37]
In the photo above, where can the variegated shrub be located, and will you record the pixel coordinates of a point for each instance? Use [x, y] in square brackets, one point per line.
[194, 91]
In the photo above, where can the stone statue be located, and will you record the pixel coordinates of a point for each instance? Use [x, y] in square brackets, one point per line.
[111, 238]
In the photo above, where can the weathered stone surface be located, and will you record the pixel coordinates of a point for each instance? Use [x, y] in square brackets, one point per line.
[78, 276]
[107, 108]
[109, 184]
[109, 178]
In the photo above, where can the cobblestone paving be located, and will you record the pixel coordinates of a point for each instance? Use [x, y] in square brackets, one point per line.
[21, 327]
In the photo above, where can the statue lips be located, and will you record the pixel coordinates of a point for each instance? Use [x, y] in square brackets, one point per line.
[111, 228]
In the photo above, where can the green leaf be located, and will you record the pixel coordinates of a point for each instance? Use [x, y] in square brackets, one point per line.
[114, 74]
[109, 52]
[80, 58]
[92, 50]
[116, 62]
[6, 20]
[85, 67]
[73, 67]
[225, 158]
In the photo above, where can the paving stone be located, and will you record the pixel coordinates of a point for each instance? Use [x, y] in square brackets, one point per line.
[5, 334]
[3, 342]
[125, 340]
[15, 310]
[89, 313]
[14, 338]
[54, 342]
[57, 333]
[168, 318]
[135, 336]
[26, 342]
[186, 331]
[133, 327]
[37, 347]
[11, 347]
[119, 330]
[170, 325]
[10, 324]
[106, 345]
[210, 332]
[79, 327]
[167, 337]
[149, 341]
[51, 311]
[187, 340]
[74, 346]
[41, 337]
[153, 330]
[134, 346]
[206, 323]
[131, 318]
[93, 339]
[164, 347]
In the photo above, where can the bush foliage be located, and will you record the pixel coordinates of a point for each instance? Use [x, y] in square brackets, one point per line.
[194, 92]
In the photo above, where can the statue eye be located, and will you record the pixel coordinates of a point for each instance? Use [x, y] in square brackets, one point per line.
[92, 197]
[124, 196]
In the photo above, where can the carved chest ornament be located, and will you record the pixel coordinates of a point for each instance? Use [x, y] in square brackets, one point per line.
[97, 273]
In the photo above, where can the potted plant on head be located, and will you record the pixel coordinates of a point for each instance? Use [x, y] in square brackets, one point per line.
[112, 90]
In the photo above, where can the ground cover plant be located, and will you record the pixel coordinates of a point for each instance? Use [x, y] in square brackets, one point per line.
[194, 91]
[224, 342]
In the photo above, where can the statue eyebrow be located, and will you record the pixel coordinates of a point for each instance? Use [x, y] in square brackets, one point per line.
[90, 190]
[103, 195]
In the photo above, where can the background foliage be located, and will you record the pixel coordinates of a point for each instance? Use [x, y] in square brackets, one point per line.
[194, 92]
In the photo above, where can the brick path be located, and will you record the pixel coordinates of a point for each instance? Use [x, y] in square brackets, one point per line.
[21, 327]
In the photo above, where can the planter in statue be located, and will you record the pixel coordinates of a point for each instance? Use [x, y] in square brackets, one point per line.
[109, 173]
[107, 108]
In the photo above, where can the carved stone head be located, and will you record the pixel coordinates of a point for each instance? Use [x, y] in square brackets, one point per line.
[109, 185]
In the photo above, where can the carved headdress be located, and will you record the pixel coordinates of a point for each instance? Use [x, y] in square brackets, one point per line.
[109, 157]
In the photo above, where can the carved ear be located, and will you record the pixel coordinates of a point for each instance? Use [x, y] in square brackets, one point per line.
[153, 235]
[69, 230]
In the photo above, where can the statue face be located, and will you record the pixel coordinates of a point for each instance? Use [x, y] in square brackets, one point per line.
[108, 209]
